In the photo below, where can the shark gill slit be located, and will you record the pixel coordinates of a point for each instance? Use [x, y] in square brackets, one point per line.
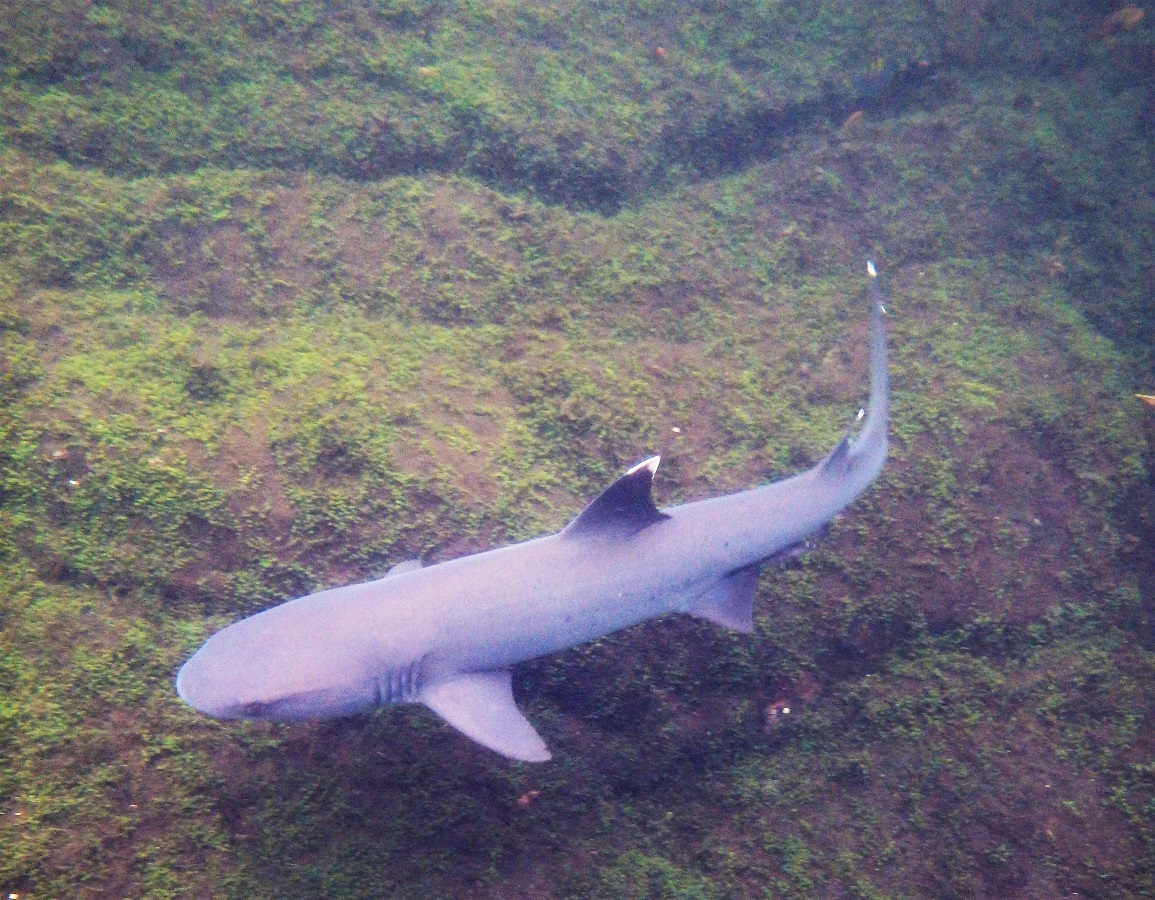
[398, 685]
[411, 678]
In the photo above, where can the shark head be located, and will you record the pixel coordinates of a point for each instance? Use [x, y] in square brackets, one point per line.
[260, 669]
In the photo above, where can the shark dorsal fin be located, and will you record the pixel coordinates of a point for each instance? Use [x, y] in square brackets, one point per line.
[626, 505]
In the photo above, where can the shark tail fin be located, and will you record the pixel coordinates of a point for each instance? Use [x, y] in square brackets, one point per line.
[869, 447]
[859, 458]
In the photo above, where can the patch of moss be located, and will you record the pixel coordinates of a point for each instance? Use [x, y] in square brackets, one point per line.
[262, 330]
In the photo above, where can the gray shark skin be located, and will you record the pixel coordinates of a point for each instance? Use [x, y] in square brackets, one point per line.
[447, 635]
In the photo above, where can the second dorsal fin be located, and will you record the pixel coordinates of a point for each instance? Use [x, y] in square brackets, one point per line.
[625, 506]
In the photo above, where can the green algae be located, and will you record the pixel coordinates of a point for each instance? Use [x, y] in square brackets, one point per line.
[254, 341]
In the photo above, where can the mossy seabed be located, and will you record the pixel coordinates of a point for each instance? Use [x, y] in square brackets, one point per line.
[293, 291]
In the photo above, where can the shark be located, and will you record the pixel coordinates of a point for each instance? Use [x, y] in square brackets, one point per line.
[447, 635]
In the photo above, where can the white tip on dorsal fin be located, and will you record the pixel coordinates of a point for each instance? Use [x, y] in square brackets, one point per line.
[651, 464]
[623, 508]
[410, 565]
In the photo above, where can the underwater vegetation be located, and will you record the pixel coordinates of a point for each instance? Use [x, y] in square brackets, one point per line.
[290, 292]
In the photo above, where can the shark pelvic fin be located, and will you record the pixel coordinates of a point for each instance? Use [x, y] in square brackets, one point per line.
[626, 505]
[480, 705]
[410, 565]
[729, 601]
[837, 461]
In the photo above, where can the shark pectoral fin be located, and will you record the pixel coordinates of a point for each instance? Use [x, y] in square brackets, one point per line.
[729, 601]
[480, 705]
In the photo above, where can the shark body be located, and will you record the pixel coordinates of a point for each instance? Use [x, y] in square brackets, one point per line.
[447, 635]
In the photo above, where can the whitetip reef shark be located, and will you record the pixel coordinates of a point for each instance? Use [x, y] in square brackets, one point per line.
[447, 635]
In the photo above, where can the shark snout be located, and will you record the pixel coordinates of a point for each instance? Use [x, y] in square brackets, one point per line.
[260, 669]
[232, 675]
[197, 686]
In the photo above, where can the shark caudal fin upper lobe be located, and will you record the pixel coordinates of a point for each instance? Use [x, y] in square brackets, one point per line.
[858, 460]
[871, 444]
